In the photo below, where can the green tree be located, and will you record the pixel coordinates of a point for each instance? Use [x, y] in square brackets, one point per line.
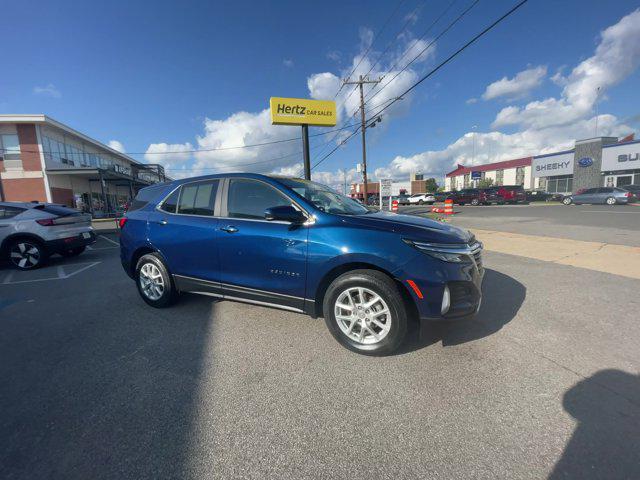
[485, 183]
[431, 185]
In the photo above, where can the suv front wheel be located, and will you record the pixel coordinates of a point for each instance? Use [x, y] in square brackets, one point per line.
[154, 282]
[365, 312]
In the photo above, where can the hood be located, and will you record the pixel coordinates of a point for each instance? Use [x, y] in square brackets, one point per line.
[412, 227]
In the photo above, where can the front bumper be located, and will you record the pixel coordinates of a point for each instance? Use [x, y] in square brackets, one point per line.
[431, 276]
[68, 243]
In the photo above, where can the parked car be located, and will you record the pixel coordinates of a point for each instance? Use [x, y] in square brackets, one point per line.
[403, 199]
[441, 196]
[297, 245]
[510, 193]
[635, 190]
[31, 232]
[537, 196]
[473, 196]
[422, 198]
[608, 195]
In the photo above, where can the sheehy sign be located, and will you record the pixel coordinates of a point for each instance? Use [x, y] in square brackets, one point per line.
[552, 165]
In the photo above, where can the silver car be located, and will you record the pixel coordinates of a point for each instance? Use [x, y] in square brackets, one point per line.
[608, 195]
[30, 232]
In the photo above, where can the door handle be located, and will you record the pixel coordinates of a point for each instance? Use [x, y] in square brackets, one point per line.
[229, 229]
[162, 222]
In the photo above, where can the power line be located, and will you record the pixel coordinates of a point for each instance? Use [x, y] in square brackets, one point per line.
[172, 152]
[375, 37]
[429, 45]
[455, 54]
[432, 72]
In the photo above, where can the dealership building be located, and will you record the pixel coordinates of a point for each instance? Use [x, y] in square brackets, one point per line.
[44, 160]
[594, 162]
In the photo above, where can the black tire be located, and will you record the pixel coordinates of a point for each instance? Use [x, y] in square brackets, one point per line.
[381, 285]
[169, 292]
[611, 201]
[461, 203]
[73, 252]
[567, 200]
[420, 202]
[475, 202]
[27, 254]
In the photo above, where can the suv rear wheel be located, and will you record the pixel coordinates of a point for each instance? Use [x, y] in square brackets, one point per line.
[365, 312]
[154, 282]
[475, 202]
[26, 254]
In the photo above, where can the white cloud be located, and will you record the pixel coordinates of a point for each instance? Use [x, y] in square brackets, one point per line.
[518, 86]
[471, 101]
[158, 153]
[334, 55]
[249, 128]
[116, 145]
[616, 57]
[287, 62]
[49, 90]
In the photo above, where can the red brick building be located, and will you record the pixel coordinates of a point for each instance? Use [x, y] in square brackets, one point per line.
[44, 160]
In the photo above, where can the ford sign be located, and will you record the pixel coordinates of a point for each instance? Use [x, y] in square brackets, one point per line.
[585, 162]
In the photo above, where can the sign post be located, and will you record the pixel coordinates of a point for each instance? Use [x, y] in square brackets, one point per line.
[385, 191]
[300, 111]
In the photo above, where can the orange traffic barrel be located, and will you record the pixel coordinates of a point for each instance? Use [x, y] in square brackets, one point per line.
[394, 206]
[448, 207]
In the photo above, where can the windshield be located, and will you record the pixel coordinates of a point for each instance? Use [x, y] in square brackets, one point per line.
[324, 197]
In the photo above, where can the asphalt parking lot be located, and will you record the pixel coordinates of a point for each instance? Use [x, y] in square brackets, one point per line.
[618, 224]
[544, 383]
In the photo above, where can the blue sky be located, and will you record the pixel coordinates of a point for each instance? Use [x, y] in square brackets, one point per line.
[175, 76]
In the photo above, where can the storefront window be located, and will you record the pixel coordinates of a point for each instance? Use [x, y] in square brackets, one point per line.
[499, 177]
[520, 176]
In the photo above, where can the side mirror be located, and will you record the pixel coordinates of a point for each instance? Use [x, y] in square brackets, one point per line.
[285, 213]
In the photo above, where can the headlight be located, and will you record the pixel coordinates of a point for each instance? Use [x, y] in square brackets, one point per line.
[453, 253]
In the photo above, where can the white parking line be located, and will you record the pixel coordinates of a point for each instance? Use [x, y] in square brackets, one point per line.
[109, 240]
[61, 275]
[603, 211]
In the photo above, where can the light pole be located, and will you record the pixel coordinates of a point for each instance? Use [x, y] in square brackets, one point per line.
[597, 98]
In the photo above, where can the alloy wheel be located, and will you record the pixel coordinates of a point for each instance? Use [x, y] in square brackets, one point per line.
[25, 255]
[151, 281]
[611, 201]
[362, 315]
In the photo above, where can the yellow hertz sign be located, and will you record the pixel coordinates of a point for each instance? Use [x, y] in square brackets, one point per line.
[299, 111]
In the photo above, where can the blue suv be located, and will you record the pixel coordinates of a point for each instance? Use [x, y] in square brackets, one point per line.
[298, 245]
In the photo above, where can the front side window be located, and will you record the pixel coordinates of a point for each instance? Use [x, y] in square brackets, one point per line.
[198, 198]
[250, 198]
[326, 199]
[9, 212]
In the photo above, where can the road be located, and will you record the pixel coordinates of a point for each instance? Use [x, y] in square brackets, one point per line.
[96, 384]
[619, 224]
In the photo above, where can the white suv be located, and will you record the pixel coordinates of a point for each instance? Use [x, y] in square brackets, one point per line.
[421, 199]
[30, 232]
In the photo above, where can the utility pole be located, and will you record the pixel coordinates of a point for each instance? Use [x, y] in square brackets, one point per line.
[361, 82]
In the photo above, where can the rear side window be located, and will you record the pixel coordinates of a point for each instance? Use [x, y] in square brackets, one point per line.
[605, 190]
[58, 210]
[9, 212]
[144, 197]
[250, 198]
[198, 198]
[171, 202]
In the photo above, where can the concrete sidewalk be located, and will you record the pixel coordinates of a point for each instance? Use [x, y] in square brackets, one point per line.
[602, 257]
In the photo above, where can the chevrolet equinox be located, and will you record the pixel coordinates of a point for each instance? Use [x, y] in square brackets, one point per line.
[300, 246]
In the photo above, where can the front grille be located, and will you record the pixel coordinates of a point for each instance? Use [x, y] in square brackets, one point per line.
[476, 252]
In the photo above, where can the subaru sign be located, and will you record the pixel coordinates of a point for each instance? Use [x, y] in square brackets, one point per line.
[585, 162]
[476, 175]
[621, 157]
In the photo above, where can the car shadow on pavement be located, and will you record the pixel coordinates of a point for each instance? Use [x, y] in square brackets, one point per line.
[502, 297]
[606, 440]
